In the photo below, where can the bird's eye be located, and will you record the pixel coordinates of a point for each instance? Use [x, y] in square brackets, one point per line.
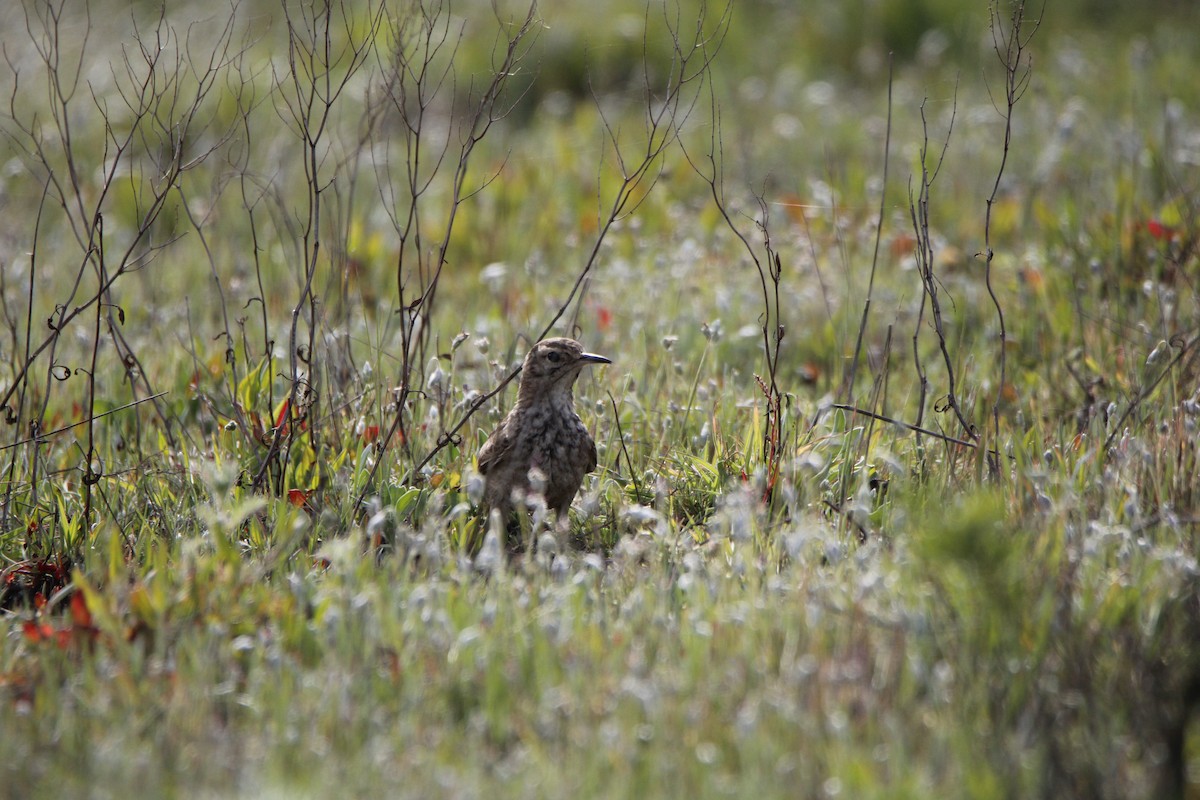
[553, 357]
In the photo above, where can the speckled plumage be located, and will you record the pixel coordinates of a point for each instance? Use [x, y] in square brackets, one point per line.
[542, 434]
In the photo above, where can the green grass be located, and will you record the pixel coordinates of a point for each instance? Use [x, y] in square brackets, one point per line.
[876, 614]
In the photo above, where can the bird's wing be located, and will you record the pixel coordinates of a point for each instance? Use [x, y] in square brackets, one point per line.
[495, 449]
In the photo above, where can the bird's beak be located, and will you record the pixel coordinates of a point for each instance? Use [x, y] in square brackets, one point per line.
[592, 358]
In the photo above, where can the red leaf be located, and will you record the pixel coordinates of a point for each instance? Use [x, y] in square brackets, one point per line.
[35, 632]
[1158, 230]
[260, 435]
[283, 412]
[902, 245]
[370, 433]
[299, 497]
[281, 419]
[606, 317]
[79, 611]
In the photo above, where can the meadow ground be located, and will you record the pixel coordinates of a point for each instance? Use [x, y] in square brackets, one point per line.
[898, 483]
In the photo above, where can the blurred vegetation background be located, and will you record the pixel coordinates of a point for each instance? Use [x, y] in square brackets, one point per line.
[857, 612]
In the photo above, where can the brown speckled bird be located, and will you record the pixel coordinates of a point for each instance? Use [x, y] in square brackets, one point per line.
[542, 433]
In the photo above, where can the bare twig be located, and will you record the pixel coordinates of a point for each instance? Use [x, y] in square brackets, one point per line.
[1184, 346]
[90, 474]
[848, 387]
[769, 269]
[413, 79]
[637, 488]
[1010, 45]
[88, 421]
[930, 285]
[892, 421]
[158, 100]
[318, 73]
[664, 115]
[14, 415]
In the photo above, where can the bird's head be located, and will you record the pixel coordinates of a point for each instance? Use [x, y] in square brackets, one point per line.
[552, 366]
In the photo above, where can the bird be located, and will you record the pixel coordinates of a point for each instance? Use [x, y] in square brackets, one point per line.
[541, 444]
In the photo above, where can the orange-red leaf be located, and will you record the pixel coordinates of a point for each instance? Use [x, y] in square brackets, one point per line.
[37, 632]
[1159, 231]
[79, 611]
[283, 412]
